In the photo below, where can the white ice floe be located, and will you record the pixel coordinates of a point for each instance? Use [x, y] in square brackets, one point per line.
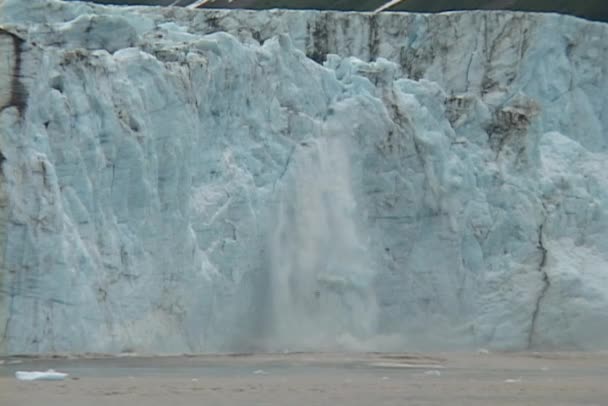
[49, 375]
[397, 365]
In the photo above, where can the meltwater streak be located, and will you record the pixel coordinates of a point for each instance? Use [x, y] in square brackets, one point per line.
[321, 275]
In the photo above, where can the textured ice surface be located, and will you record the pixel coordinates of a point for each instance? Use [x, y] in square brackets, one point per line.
[180, 180]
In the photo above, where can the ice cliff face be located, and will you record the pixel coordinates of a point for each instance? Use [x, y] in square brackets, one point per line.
[177, 180]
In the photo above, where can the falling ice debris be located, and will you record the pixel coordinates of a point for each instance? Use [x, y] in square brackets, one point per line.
[49, 375]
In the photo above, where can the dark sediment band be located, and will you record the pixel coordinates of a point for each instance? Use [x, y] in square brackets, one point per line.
[17, 92]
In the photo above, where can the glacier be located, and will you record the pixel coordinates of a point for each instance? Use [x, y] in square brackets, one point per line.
[179, 180]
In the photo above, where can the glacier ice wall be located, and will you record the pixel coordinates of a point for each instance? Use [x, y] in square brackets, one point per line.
[158, 189]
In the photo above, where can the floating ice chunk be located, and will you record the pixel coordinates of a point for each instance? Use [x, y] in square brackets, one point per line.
[405, 366]
[260, 372]
[49, 375]
[433, 372]
[518, 380]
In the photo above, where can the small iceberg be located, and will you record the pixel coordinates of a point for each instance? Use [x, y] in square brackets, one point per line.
[49, 375]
